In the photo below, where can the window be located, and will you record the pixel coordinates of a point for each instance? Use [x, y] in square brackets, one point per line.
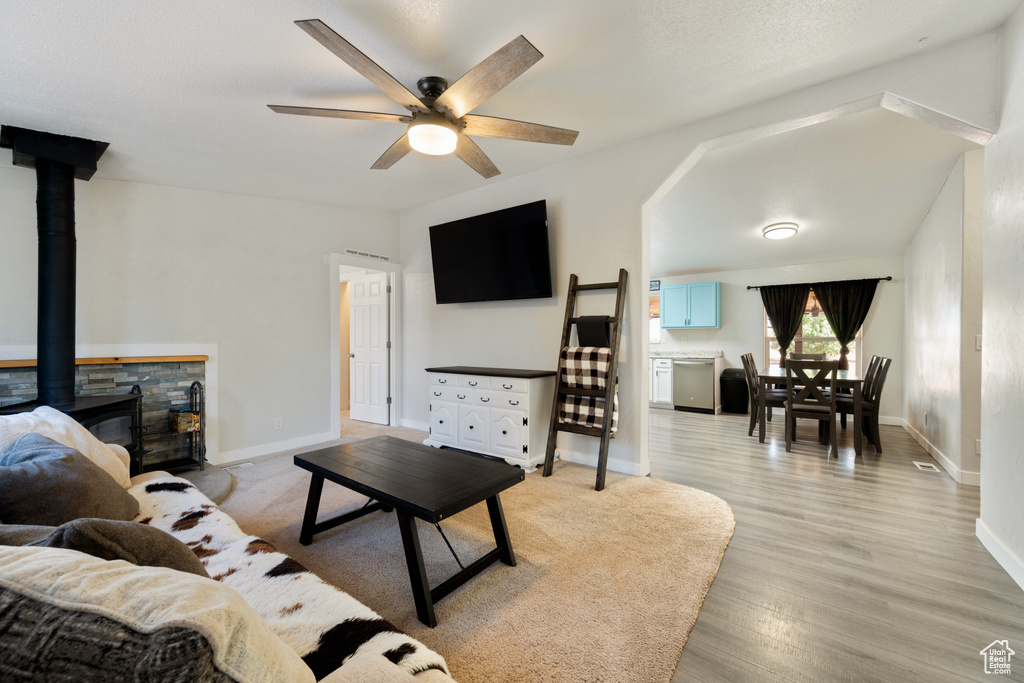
[655, 318]
[815, 336]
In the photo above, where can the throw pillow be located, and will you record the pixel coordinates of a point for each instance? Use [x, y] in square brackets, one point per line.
[106, 539]
[62, 429]
[71, 609]
[46, 483]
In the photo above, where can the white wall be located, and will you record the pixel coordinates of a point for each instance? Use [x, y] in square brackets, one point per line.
[167, 265]
[933, 266]
[1001, 527]
[972, 313]
[595, 204]
[742, 328]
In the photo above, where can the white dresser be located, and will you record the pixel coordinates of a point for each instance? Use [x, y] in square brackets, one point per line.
[496, 411]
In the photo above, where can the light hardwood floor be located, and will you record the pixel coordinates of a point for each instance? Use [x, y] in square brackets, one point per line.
[856, 569]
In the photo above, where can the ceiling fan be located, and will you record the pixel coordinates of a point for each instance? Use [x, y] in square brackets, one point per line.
[439, 121]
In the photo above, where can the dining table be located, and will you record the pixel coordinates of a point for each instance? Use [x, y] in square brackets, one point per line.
[845, 379]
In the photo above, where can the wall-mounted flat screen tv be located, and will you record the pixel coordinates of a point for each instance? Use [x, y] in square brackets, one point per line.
[492, 257]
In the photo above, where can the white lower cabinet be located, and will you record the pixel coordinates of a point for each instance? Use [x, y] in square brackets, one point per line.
[473, 427]
[504, 416]
[444, 422]
[508, 435]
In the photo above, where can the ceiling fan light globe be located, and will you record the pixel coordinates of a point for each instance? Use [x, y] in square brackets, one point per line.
[779, 231]
[433, 139]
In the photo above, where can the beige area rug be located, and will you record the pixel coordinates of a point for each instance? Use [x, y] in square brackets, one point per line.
[607, 587]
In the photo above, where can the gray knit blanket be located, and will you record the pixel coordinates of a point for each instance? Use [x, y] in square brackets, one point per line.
[323, 624]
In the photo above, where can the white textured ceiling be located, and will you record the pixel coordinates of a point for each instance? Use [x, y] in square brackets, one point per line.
[179, 87]
[858, 186]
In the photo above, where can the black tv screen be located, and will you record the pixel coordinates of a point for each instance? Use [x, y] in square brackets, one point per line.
[492, 257]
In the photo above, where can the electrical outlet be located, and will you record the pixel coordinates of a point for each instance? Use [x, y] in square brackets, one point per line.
[977, 342]
[926, 419]
[977, 446]
[278, 423]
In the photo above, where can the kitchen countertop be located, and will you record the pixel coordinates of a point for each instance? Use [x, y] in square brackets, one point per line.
[686, 354]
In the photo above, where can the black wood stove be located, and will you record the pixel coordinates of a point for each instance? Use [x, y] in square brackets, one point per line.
[58, 160]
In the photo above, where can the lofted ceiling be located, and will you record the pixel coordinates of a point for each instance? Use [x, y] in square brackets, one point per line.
[858, 186]
[180, 88]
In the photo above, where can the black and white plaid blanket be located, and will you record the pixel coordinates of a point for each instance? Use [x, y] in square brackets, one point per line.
[586, 367]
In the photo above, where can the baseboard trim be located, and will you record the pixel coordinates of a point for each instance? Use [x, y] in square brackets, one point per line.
[958, 475]
[615, 465]
[414, 424]
[1006, 558]
[251, 452]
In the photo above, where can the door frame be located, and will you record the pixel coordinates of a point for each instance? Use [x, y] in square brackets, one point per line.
[394, 272]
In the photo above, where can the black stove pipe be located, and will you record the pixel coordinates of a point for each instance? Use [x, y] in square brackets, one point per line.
[55, 209]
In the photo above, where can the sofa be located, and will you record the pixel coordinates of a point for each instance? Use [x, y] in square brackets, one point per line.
[106, 577]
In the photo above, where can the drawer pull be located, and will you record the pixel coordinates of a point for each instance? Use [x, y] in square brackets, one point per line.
[513, 403]
[461, 395]
[437, 393]
[472, 384]
[440, 422]
[485, 400]
[470, 426]
[504, 431]
[442, 381]
[506, 386]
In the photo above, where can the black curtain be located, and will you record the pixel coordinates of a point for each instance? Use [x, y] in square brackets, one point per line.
[785, 305]
[845, 304]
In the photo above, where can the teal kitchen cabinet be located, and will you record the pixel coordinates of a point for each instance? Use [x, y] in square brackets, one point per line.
[690, 305]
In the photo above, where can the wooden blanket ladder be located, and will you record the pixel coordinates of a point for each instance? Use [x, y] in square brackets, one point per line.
[608, 393]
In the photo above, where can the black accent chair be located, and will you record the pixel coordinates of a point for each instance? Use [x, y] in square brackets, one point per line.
[775, 398]
[871, 396]
[811, 397]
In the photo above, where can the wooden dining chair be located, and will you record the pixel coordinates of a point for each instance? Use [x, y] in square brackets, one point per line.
[871, 396]
[775, 398]
[811, 397]
[806, 356]
[868, 378]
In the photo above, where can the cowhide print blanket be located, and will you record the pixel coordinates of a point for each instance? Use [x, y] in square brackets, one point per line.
[323, 624]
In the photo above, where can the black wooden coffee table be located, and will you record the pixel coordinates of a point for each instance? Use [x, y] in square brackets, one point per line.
[415, 481]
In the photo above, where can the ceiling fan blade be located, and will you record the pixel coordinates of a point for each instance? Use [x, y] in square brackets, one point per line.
[488, 77]
[348, 53]
[393, 154]
[475, 157]
[491, 127]
[341, 113]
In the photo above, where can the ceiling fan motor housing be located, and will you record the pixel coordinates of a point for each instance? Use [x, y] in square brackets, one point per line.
[432, 86]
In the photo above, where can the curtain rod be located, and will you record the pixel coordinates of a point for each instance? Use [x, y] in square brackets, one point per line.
[888, 278]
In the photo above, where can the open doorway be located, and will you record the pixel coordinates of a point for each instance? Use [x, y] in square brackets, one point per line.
[364, 345]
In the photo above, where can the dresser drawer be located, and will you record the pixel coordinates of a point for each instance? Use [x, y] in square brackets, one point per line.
[519, 386]
[446, 393]
[444, 379]
[474, 381]
[505, 400]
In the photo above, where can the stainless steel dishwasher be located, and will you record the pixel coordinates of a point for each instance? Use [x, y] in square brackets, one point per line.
[693, 384]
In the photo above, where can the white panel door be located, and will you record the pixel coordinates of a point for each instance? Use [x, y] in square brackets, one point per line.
[508, 433]
[444, 422]
[663, 385]
[473, 427]
[368, 343]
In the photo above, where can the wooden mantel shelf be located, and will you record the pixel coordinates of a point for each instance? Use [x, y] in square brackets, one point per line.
[111, 360]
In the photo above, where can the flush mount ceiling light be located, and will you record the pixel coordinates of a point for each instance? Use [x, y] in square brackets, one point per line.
[779, 231]
[432, 134]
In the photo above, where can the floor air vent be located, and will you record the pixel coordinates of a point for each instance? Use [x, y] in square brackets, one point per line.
[926, 466]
